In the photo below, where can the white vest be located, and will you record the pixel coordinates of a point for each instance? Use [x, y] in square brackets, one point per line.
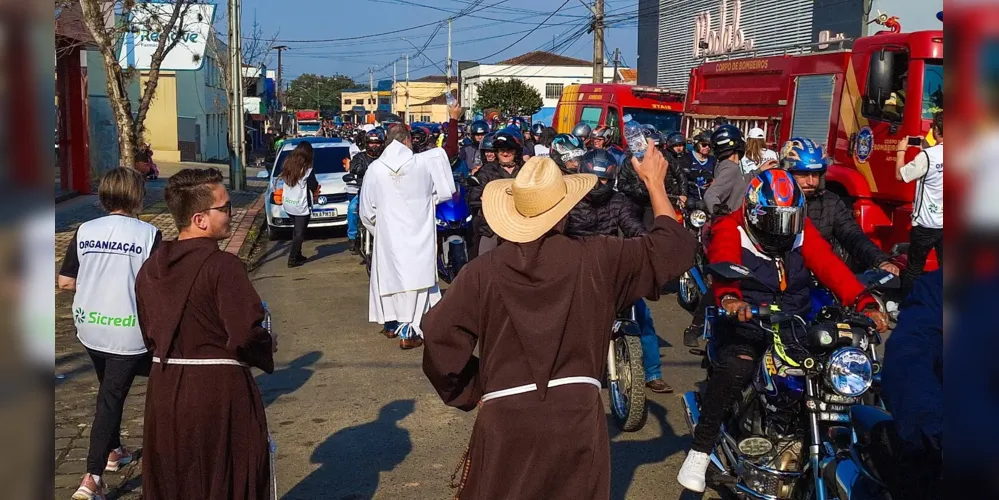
[296, 198]
[110, 250]
[928, 208]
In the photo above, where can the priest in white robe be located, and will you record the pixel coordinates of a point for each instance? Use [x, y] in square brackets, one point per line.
[397, 205]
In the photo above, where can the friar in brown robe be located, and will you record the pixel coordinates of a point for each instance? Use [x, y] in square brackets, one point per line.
[205, 430]
[542, 310]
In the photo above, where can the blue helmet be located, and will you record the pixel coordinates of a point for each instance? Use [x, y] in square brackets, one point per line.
[800, 155]
[566, 148]
[774, 211]
[599, 162]
[537, 129]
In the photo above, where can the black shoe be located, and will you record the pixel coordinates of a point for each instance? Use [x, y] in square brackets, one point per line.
[691, 334]
[355, 248]
[296, 262]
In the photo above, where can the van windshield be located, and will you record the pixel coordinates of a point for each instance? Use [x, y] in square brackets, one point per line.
[664, 121]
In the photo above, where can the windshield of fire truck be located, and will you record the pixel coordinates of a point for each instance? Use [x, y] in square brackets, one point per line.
[664, 121]
[932, 88]
[308, 126]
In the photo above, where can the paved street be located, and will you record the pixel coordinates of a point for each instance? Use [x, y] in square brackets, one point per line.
[355, 418]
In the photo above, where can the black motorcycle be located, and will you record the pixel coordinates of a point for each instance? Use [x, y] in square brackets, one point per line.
[367, 240]
[626, 373]
[792, 432]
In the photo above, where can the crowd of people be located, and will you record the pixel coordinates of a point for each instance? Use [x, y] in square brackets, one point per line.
[572, 221]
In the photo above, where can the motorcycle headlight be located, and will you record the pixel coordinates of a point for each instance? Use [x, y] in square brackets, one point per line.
[849, 372]
[698, 218]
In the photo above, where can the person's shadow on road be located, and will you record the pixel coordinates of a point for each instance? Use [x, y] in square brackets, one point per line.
[352, 460]
[628, 456]
[289, 379]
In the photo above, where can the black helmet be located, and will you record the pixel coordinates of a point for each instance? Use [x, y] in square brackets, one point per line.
[727, 140]
[375, 136]
[600, 163]
[675, 139]
[537, 129]
[582, 130]
[565, 148]
[478, 127]
[606, 133]
[421, 136]
[486, 144]
[652, 135]
[509, 138]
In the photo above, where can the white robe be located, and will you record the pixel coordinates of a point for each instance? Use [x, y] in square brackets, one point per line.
[398, 198]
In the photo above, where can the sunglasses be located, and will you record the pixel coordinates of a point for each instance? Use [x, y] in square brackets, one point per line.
[226, 209]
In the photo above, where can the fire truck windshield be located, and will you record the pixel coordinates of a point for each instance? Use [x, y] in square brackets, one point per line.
[663, 121]
[932, 88]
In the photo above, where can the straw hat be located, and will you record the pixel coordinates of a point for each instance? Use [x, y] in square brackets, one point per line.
[524, 209]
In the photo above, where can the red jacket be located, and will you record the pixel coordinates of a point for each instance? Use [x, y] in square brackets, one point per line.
[727, 245]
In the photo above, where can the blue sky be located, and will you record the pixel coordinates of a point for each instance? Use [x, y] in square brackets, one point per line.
[473, 37]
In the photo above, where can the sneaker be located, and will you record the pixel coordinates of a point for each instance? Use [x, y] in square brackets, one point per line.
[659, 386]
[692, 472]
[691, 334]
[90, 489]
[119, 458]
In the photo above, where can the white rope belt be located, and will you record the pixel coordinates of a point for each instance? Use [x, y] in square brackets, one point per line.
[201, 362]
[555, 382]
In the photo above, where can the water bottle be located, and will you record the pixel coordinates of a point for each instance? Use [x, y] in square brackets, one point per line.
[637, 143]
[451, 101]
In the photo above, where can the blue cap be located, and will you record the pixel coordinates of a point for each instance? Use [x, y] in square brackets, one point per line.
[940, 16]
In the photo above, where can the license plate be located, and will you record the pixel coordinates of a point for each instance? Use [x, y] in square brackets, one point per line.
[324, 214]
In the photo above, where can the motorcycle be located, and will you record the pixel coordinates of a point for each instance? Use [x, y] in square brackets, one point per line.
[454, 222]
[626, 373]
[692, 285]
[793, 426]
[367, 245]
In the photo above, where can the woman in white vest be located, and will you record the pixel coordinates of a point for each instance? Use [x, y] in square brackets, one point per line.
[101, 263]
[300, 191]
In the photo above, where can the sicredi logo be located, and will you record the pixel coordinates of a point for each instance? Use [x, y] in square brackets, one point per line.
[96, 318]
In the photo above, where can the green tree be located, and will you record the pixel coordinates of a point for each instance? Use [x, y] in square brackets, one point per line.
[320, 92]
[512, 97]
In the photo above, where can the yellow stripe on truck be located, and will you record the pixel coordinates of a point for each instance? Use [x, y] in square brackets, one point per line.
[567, 109]
[853, 120]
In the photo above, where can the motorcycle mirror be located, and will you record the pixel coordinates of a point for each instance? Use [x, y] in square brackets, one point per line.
[879, 279]
[349, 178]
[729, 271]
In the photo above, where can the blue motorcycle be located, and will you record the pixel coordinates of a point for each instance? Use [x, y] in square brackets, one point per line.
[798, 429]
[454, 223]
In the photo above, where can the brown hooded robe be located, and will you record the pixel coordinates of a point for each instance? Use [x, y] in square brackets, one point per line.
[540, 311]
[205, 431]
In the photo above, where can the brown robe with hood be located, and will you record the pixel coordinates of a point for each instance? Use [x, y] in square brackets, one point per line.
[551, 304]
[205, 431]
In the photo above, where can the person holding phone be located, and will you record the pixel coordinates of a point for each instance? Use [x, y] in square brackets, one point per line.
[926, 169]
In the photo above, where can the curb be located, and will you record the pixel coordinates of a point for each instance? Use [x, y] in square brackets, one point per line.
[246, 234]
[253, 236]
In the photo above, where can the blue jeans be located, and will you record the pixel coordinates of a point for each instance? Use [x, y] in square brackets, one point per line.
[352, 218]
[650, 342]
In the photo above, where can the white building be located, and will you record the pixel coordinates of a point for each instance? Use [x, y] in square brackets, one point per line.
[547, 72]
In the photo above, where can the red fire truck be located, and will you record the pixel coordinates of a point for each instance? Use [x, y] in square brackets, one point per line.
[859, 102]
[606, 104]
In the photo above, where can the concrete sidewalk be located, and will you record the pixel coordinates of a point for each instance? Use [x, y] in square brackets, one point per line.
[75, 382]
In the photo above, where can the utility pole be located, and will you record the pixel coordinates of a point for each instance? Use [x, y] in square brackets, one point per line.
[280, 87]
[448, 76]
[395, 98]
[237, 174]
[407, 119]
[371, 88]
[617, 60]
[598, 41]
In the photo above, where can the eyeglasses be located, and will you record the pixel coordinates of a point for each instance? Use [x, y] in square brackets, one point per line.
[227, 208]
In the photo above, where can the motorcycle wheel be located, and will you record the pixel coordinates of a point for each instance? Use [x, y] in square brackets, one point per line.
[689, 295]
[628, 402]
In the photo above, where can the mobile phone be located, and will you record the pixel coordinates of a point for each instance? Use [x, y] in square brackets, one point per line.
[915, 141]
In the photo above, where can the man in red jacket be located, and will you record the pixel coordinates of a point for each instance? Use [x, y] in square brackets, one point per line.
[772, 237]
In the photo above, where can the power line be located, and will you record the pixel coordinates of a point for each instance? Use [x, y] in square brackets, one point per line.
[526, 35]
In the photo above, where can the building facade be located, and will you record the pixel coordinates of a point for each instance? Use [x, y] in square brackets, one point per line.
[188, 117]
[358, 103]
[422, 100]
[546, 72]
[675, 36]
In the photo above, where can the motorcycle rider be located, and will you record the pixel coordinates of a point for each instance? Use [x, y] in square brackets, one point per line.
[421, 139]
[374, 143]
[607, 212]
[805, 160]
[469, 150]
[582, 130]
[509, 158]
[675, 151]
[566, 150]
[772, 237]
[702, 162]
[487, 152]
[530, 140]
